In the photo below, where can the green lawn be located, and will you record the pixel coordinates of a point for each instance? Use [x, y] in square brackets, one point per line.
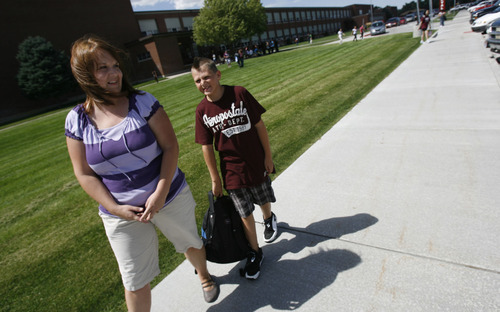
[54, 255]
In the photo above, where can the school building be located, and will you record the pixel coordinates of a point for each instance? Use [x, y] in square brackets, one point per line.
[164, 31]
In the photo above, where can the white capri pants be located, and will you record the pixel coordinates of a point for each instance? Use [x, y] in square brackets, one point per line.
[135, 244]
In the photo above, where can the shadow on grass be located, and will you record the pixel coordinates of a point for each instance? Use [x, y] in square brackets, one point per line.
[287, 282]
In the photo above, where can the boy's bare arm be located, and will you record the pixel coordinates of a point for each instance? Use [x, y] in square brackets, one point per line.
[264, 140]
[210, 161]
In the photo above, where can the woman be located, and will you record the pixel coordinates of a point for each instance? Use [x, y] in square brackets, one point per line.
[124, 154]
[425, 26]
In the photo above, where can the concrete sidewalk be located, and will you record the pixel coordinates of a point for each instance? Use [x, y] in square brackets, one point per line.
[396, 208]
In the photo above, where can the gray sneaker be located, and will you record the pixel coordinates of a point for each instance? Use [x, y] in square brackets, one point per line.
[212, 294]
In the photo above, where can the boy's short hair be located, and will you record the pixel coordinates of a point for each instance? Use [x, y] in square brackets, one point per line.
[200, 63]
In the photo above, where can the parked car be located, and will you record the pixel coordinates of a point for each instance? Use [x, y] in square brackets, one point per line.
[458, 7]
[402, 20]
[493, 41]
[481, 23]
[480, 6]
[492, 9]
[377, 28]
[393, 21]
[488, 30]
[411, 17]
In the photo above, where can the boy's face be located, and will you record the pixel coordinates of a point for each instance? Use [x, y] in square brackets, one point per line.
[208, 83]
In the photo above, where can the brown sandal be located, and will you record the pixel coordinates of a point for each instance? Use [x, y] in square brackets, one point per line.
[213, 294]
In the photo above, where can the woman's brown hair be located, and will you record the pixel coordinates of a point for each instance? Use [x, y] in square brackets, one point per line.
[83, 63]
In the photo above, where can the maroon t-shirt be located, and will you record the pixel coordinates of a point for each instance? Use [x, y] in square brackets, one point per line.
[229, 124]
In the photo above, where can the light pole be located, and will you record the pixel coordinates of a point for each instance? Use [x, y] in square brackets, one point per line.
[371, 10]
[418, 13]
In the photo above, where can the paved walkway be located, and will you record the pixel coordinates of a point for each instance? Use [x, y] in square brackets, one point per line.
[396, 208]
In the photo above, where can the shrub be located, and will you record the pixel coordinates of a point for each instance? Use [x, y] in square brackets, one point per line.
[44, 72]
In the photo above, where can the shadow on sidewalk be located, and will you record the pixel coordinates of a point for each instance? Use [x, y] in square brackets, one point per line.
[295, 268]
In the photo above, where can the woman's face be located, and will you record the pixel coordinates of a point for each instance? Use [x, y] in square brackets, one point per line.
[107, 72]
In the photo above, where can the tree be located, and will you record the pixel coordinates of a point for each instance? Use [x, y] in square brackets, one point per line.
[228, 21]
[43, 71]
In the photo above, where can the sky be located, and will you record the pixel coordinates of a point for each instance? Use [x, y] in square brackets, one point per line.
[153, 5]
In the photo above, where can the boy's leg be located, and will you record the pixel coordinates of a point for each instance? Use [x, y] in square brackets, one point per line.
[255, 257]
[250, 231]
[266, 210]
[244, 206]
[242, 200]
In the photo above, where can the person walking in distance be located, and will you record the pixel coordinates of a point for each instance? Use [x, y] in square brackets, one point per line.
[425, 26]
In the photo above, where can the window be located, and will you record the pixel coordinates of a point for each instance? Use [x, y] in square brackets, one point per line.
[173, 24]
[269, 18]
[143, 57]
[148, 27]
[188, 23]
[277, 17]
[284, 17]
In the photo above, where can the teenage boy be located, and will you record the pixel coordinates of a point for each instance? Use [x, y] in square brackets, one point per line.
[229, 120]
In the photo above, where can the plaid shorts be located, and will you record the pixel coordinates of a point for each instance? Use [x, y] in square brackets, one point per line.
[245, 198]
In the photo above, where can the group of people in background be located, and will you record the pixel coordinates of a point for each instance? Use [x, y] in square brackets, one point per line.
[266, 47]
[340, 33]
[240, 54]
